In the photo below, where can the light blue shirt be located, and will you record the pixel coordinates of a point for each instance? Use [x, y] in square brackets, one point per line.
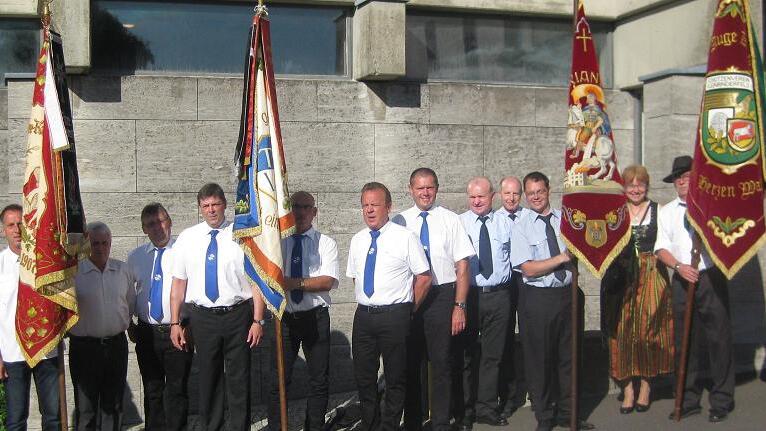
[530, 243]
[500, 239]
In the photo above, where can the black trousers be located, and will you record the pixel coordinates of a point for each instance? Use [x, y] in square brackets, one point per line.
[711, 327]
[479, 350]
[430, 339]
[379, 333]
[165, 374]
[99, 368]
[546, 323]
[221, 343]
[310, 329]
[511, 385]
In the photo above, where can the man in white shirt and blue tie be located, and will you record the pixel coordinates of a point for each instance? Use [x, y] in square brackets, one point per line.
[164, 369]
[442, 315]
[226, 313]
[311, 265]
[391, 278]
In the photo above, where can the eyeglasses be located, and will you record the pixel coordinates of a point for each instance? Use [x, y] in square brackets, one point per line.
[302, 207]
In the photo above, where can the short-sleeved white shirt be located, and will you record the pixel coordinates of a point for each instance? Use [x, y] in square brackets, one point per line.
[105, 300]
[9, 288]
[189, 264]
[399, 258]
[448, 240]
[674, 234]
[320, 258]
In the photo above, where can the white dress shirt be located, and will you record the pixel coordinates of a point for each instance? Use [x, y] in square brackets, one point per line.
[448, 240]
[675, 235]
[530, 242]
[399, 257]
[9, 288]
[141, 263]
[105, 299]
[320, 258]
[189, 264]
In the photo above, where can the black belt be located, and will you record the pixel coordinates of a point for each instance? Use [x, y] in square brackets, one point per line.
[96, 340]
[163, 328]
[373, 309]
[489, 289]
[548, 287]
[297, 315]
[444, 285]
[220, 310]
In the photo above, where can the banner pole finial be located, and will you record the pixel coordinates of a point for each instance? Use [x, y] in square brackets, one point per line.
[46, 17]
[261, 10]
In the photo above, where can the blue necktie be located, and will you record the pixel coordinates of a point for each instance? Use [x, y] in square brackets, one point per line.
[211, 268]
[424, 239]
[155, 294]
[369, 264]
[485, 249]
[296, 266]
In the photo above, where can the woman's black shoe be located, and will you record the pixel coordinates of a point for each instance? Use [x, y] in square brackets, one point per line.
[626, 410]
[642, 407]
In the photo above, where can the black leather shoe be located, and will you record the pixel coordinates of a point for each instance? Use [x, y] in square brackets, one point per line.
[626, 410]
[642, 407]
[495, 421]
[581, 425]
[686, 412]
[718, 416]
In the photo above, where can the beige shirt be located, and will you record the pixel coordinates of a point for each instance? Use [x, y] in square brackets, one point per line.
[105, 299]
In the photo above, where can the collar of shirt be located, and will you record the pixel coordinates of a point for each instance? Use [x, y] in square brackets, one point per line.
[88, 266]
[382, 229]
[149, 247]
[204, 226]
[312, 234]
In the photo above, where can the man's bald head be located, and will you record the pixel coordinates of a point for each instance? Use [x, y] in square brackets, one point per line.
[480, 194]
[510, 193]
[304, 210]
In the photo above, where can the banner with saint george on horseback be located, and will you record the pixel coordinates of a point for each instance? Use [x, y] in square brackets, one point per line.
[595, 225]
[725, 201]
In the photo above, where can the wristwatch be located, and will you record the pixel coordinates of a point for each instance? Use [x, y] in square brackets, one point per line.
[460, 304]
[260, 322]
[302, 283]
[676, 266]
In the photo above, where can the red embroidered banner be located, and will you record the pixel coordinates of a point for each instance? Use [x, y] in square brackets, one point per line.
[53, 222]
[725, 201]
[595, 224]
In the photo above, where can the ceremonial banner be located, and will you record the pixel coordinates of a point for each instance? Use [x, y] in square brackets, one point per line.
[595, 224]
[53, 222]
[725, 201]
[262, 211]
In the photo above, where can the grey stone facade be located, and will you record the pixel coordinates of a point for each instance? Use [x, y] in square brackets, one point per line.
[146, 138]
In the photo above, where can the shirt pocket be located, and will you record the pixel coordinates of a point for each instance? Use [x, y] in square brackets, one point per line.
[538, 244]
[503, 245]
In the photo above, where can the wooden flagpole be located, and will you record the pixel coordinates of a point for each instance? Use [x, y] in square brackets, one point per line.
[281, 373]
[690, 291]
[62, 388]
[573, 417]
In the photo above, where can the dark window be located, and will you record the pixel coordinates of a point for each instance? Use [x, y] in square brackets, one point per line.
[483, 48]
[19, 46]
[151, 36]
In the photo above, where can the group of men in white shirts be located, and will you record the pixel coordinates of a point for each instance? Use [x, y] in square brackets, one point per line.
[431, 285]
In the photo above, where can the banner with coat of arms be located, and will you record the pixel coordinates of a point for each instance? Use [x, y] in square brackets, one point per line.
[262, 212]
[725, 201]
[53, 222]
[595, 224]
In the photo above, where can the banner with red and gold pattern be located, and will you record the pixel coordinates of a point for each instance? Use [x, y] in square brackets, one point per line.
[725, 200]
[595, 224]
[53, 221]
